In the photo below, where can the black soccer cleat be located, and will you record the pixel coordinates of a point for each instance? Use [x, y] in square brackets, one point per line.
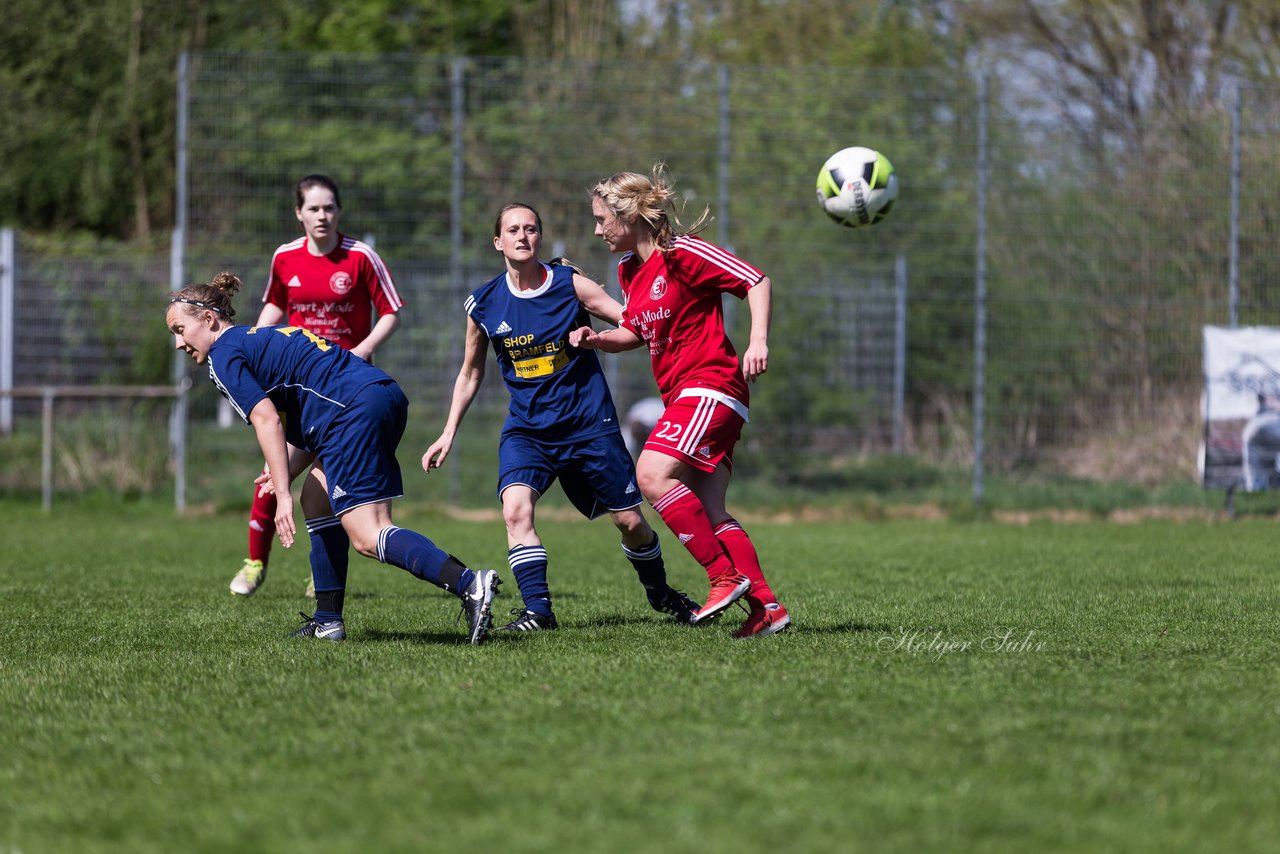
[332, 630]
[668, 600]
[477, 604]
[530, 621]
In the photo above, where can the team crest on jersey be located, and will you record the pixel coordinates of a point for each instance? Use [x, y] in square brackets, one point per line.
[340, 282]
[659, 288]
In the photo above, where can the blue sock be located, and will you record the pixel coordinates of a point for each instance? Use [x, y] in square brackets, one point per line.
[330, 554]
[423, 559]
[648, 564]
[529, 566]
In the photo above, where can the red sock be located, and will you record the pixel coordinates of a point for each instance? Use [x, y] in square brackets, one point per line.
[743, 554]
[683, 513]
[262, 526]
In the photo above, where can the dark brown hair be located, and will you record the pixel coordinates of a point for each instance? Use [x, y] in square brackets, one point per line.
[300, 190]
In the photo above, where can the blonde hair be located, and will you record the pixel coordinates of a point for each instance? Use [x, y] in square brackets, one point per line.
[214, 296]
[634, 197]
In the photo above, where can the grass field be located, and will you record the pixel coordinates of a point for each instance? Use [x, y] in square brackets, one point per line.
[949, 686]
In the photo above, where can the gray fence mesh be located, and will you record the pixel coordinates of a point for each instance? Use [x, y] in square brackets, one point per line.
[1102, 263]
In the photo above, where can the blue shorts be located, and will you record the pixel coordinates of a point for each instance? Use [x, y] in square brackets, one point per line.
[597, 474]
[358, 452]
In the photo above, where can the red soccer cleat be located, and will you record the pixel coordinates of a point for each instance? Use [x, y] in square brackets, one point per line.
[767, 620]
[724, 592]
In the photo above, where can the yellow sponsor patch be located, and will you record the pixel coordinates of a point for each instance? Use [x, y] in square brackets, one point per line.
[540, 366]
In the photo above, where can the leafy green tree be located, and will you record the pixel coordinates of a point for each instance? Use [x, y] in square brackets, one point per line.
[87, 93]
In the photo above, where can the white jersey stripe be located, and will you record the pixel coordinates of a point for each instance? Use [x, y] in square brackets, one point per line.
[720, 258]
[382, 541]
[213, 375]
[698, 424]
[676, 493]
[321, 523]
[379, 269]
[280, 250]
[527, 556]
[731, 402]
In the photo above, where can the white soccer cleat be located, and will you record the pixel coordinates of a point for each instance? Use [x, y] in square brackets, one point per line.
[250, 577]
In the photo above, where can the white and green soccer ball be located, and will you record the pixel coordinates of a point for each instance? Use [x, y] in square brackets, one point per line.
[857, 187]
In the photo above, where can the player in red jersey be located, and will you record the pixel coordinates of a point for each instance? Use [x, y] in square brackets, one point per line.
[673, 281]
[332, 285]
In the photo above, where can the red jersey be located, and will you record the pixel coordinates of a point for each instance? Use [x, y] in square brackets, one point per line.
[673, 303]
[332, 295]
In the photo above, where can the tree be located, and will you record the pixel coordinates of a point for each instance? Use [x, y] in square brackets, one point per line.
[1101, 67]
[87, 93]
[88, 88]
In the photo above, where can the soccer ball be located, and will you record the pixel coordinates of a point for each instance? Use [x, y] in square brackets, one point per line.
[857, 187]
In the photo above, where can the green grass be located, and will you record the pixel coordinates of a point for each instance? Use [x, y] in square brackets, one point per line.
[146, 710]
[112, 453]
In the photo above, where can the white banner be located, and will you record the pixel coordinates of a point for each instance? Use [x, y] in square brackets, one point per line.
[1241, 407]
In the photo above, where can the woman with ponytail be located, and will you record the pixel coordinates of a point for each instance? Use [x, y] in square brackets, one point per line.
[298, 389]
[673, 281]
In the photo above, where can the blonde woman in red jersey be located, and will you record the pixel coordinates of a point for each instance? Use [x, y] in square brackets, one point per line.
[673, 281]
[334, 286]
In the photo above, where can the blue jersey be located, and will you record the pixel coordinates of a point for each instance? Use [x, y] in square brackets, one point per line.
[558, 392]
[308, 379]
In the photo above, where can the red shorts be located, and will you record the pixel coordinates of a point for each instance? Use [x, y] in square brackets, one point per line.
[700, 431]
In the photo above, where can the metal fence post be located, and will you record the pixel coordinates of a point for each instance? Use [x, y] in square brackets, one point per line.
[177, 273]
[46, 449]
[728, 306]
[1233, 249]
[722, 194]
[178, 434]
[899, 349]
[8, 287]
[457, 174]
[980, 300]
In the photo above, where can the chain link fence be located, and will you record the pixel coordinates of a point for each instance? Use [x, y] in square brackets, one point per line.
[1067, 283]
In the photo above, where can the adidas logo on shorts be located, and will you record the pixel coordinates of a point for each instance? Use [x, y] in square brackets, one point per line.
[338, 492]
[684, 538]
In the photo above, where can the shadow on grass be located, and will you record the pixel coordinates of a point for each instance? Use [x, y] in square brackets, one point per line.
[617, 620]
[437, 638]
[622, 620]
[851, 628]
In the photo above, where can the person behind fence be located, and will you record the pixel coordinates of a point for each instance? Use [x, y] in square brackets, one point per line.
[673, 281]
[561, 421]
[639, 422]
[296, 388]
[338, 288]
[1260, 445]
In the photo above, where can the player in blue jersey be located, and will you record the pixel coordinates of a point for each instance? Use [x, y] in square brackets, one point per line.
[561, 423]
[295, 388]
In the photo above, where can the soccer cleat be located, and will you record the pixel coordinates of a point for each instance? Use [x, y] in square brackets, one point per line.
[332, 630]
[250, 577]
[477, 604]
[530, 621]
[668, 600]
[724, 592]
[310, 592]
[764, 620]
